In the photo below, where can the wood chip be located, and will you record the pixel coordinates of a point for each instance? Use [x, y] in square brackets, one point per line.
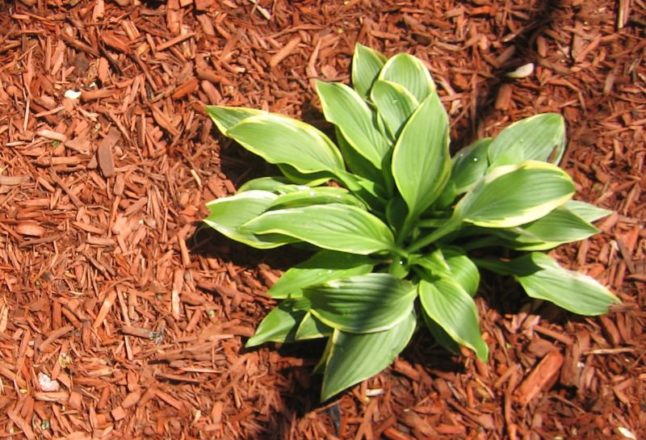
[540, 379]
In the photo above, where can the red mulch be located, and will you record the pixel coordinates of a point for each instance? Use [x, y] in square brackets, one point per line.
[110, 288]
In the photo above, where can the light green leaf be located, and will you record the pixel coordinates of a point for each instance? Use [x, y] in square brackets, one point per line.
[440, 336]
[421, 162]
[280, 324]
[451, 263]
[344, 108]
[394, 103]
[312, 328]
[315, 196]
[275, 185]
[226, 117]
[366, 64]
[320, 268]
[450, 306]
[515, 194]
[227, 214]
[282, 140]
[337, 227]
[586, 211]
[463, 270]
[543, 278]
[356, 163]
[362, 303]
[353, 358]
[540, 137]
[309, 179]
[469, 165]
[409, 72]
[369, 192]
[558, 227]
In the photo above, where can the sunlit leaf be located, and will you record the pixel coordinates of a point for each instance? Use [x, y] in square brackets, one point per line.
[280, 324]
[276, 185]
[282, 140]
[226, 117]
[366, 64]
[515, 194]
[394, 103]
[453, 263]
[586, 211]
[355, 162]
[540, 137]
[353, 358]
[558, 227]
[469, 165]
[343, 107]
[336, 227]
[315, 196]
[320, 268]
[362, 303]
[310, 179]
[451, 307]
[227, 214]
[543, 278]
[421, 162]
[409, 72]
[312, 328]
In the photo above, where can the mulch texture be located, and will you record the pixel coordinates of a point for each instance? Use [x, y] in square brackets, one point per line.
[122, 317]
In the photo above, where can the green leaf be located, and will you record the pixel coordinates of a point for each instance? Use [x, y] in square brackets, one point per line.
[420, 161]
[540, 137]
[469, 165]
[227, 214]
[543, 278]
[226, 117]
[586, 211]
[362, 303]
[280, 324]
[463, 270]
[558, 227]
[453, 309]
[515, 194]
[394, 103]
[282, 140]
[356, 163]
[309, 179]
[275, 185]
[344, 108]
[335, 227]
[452, 263]
[320, 268]
[315, 196]
[366, 64]
[440, 336]
[409, 72]
[353, 358]
[396, 212]
[312, 328]
[371, 193]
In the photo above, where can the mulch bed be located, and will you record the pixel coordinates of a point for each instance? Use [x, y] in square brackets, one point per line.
[121, 317]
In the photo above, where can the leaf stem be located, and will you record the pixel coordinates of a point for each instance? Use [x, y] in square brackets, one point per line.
[405, 230]
[451, 225]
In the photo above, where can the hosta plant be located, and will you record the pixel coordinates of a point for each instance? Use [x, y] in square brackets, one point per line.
[394, 222]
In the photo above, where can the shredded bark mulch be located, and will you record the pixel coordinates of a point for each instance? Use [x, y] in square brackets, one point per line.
[122, 317]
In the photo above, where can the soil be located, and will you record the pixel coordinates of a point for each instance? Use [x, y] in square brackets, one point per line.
[122, 317]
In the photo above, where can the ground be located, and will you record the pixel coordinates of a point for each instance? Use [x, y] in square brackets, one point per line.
[122, 317]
